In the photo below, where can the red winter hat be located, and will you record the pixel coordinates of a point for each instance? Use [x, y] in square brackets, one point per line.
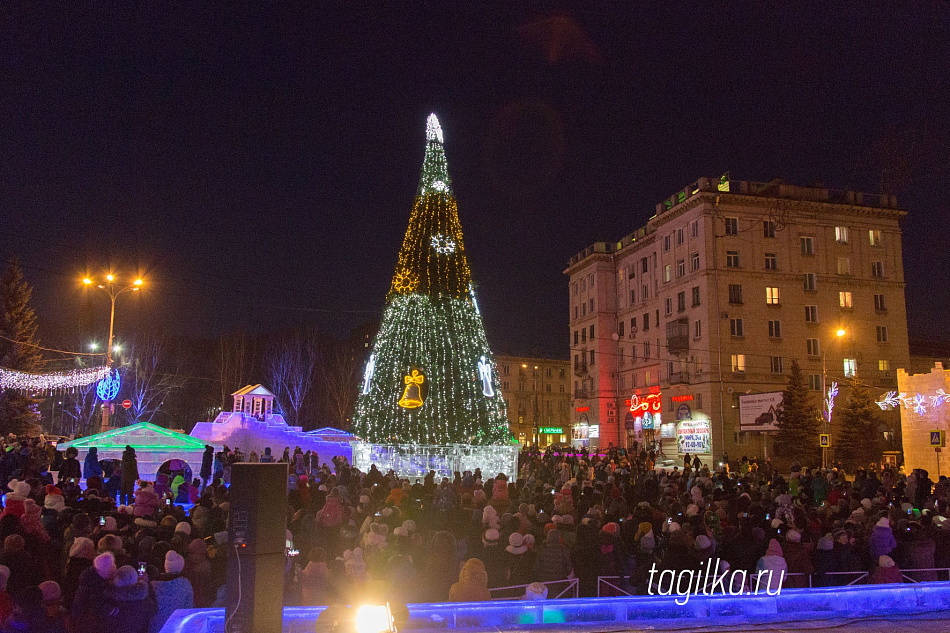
[610, 528]
[53, 490]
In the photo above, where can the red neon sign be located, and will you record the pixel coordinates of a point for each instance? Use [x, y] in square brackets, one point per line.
[686, 398]
[582, 409]
[651, 402]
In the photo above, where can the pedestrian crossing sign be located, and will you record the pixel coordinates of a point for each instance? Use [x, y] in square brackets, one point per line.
[938, 439]
[824, 440]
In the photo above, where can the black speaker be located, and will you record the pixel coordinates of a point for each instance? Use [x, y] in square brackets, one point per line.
[257, 532]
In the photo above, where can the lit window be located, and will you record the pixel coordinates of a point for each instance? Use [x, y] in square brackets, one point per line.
[738, 363]
[841, 234]
[884, 365]
[771, 296]
[667, 273]
[732, 226]
[844, 266]
[874, 236]
[844, 299]
[850, 367]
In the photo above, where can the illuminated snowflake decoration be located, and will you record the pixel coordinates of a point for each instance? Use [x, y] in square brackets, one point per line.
[830, 400]
[108, 387]
[443, 244]
[438, 185]
[405, 282]
[939, 399]
[920, 404]
[889, 400]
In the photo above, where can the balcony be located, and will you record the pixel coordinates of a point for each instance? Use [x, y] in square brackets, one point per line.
[581, 394]
[679, 378]
[677, 336]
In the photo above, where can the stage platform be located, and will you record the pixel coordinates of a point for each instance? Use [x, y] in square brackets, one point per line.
[906, 607]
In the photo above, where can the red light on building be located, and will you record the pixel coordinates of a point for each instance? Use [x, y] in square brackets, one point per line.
[582, 409]
[685, 398]
[651, 402]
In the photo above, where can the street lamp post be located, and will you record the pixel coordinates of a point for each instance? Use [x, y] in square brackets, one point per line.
[826, 413]
[113, 288]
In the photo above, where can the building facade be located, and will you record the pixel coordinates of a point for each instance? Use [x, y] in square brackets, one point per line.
[726, 284]
[537, 395]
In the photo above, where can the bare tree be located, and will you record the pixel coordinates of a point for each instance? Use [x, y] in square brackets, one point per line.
[290, 365]
[236, 363]
[150, 378]
[339, 380]
[79, 411]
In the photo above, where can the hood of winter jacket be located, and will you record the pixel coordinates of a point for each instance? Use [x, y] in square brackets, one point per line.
[131, 593]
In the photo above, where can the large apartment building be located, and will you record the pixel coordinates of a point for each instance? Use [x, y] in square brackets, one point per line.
[726, 284]
[538, 398]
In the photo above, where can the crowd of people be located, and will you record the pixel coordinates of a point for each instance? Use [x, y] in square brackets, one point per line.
[96, 546]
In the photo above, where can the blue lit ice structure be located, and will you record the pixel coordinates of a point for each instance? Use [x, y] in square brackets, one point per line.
[108, 387]
[903, 602]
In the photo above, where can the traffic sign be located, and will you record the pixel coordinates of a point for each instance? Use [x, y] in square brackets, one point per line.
[938, 438]
[824, 440]
[126, 404]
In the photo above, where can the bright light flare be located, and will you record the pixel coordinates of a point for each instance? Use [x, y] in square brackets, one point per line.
[87, 281]
[374, 619]
[110, 277]
[840, 332]
[137, 282]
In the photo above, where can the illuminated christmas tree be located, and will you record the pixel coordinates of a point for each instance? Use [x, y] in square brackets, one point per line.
[431, 378]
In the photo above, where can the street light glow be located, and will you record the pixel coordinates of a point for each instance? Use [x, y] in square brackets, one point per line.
[116, 348]
[87, 281]
[110, 277]
[840, 332]
[94, 346]
[137, 282]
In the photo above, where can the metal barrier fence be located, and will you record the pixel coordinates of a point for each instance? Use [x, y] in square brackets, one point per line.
[568, 588]
[612, 586]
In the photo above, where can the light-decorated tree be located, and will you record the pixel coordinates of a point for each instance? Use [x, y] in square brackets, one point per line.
[431, 378]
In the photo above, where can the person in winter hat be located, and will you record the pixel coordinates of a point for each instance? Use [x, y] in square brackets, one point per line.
[881, 541]
[886, 572]
[172, 591]
[54, 499]
[314, 579]
[536, 591]
[53, 603]
[85, 612]
[146, 501]
[127, 604]
[553, 561]
[472, 585]
[6, 601]
[13, 503]
[90, 465]
[774, 562]
[130, 474]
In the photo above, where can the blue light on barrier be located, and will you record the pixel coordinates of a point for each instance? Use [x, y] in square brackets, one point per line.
[108, 387]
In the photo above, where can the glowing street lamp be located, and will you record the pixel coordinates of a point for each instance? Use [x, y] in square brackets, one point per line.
[113, 288]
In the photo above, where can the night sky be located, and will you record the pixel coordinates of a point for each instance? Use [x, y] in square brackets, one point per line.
[258, 164]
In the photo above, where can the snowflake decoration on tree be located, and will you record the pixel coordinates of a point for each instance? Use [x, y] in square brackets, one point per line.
[443, 244]
[405, 282]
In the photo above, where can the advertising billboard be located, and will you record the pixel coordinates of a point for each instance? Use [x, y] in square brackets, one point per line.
[693, 437]
[757, 411]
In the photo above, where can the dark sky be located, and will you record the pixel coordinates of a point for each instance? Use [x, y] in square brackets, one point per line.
[259, 164]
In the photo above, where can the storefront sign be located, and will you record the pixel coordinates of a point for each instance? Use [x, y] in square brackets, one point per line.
[553, 430]
[651, 402]
[668, 431]
[686, 398]
[693, 437]
[683, 412]
[594, 431]
[582, 409]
